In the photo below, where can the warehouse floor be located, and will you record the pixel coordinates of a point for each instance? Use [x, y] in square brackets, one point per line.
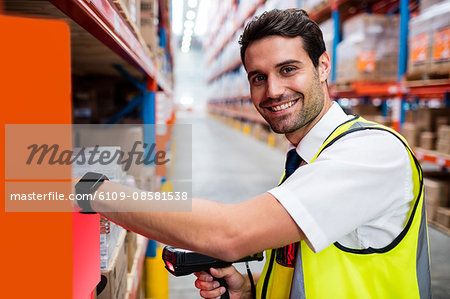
[229, 167]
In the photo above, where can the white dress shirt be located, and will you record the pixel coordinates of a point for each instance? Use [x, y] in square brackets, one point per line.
[357, 192]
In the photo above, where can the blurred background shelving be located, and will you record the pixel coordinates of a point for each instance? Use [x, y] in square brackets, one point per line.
[122, 72]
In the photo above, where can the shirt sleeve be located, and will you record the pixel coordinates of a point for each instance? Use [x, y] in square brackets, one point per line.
[361, 177]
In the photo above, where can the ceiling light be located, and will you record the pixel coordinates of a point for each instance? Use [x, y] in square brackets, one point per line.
[186, 100]
[190, 15]
[188, 31]
[177, 16]
[192, 3]
[187, 37]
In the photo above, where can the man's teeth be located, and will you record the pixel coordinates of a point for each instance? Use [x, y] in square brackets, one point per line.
[284, 106]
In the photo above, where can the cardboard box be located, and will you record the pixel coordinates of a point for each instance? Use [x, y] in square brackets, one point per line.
[149, 23]
[365, 110]
[369, 49]
[432, 195]
[116, 274]
[134, 8]
[411, 133]
[410, 116]
[126, 137]
[428, 140]
[149, 185]
[443, 133]
[426, 117]
[443, 147]
[135, 275]
[131, 245]
[440, 182]
[443, 216]
[443, 139]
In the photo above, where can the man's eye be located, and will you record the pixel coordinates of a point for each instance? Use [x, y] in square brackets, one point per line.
[258, 78]
[288, 69]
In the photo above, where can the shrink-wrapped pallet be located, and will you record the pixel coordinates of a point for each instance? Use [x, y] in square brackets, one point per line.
[429, 40]
[369, 50]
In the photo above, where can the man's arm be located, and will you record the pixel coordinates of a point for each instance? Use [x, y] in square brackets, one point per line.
[225, 231]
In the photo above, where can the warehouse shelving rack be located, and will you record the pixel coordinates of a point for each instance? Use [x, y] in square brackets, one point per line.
[117, 43]
[102, 20]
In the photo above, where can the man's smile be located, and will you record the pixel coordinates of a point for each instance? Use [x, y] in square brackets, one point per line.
[282, 107]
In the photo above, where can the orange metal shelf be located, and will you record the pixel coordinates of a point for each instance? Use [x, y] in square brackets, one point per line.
[428, 87]
[434, 157]
[356, 89]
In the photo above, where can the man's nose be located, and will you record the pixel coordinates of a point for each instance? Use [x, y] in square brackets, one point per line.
[274, 87]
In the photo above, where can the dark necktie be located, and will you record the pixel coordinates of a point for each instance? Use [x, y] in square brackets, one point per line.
[293, 161]
[285, 256]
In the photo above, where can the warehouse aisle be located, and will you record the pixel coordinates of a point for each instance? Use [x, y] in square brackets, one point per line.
[227, 166]
[221, 173]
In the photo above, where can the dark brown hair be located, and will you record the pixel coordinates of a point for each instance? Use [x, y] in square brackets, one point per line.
[287, 23]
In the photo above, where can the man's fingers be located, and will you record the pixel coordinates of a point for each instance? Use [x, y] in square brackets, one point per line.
[216, 293]
[206, 285]
[222, 272]
[203, 276]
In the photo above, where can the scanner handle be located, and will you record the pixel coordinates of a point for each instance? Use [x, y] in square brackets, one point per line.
[222, 283]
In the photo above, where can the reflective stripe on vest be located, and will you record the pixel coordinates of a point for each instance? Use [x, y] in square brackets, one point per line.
[395, 271]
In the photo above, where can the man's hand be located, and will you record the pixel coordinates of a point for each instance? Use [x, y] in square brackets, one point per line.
[238, 284]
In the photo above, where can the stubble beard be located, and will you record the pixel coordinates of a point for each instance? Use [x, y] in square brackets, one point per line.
[312, 104]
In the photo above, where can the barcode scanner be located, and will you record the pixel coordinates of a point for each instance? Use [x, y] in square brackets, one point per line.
[182, 262]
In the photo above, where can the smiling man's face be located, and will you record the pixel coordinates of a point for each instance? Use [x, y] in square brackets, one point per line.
[285, 87]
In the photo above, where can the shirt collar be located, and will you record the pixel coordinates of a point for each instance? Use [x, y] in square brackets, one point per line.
[311, 142]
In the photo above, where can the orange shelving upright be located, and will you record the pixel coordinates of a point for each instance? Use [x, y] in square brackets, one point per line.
[35, 88]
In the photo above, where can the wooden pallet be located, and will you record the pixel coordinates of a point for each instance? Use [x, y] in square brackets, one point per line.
[427, 77]
[427, 82]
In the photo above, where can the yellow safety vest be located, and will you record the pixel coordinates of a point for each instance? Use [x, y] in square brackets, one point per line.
[399, 270]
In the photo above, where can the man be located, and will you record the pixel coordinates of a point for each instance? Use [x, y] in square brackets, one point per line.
[347, 221]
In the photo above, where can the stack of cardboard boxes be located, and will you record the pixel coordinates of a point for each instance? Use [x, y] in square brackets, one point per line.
[369, 49]
[135, 245]
[315, 6]
[429, 53]
[443, 138]
[428, 128]
[114, 277]
[437, 198]
[149, 23]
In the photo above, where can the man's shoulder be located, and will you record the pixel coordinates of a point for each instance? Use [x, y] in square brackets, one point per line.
[377, 143]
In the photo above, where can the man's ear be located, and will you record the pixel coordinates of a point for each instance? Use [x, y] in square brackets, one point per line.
[324, 67]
